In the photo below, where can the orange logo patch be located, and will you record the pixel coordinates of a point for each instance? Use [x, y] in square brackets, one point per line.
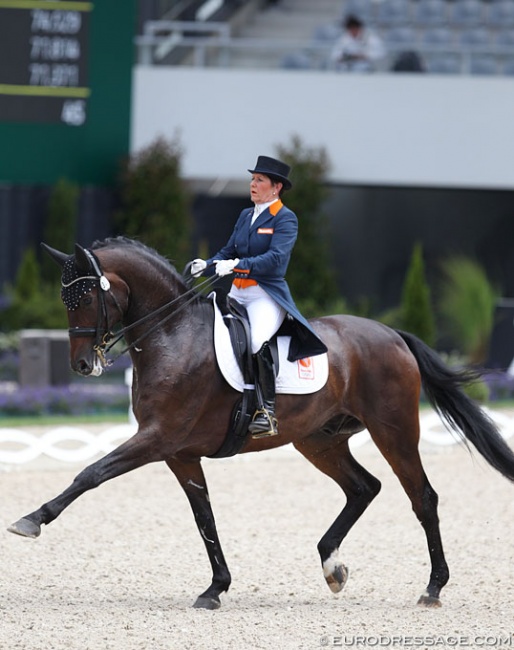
[265, 231]
[306, 368]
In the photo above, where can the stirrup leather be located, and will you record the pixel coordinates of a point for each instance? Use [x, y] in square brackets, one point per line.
[266, 427]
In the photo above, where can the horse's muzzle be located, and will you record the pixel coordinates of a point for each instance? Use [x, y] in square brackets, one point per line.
[87, 368]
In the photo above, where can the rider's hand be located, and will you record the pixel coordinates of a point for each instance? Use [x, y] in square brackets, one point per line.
[197, 267]
[224, 267]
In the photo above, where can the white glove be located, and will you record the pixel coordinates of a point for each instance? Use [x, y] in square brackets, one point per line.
[224, 267]
[197, 267]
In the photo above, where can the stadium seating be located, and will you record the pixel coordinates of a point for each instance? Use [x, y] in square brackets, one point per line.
[438, 36]
[475, 36]
[444, 64]
[393, 12]
[466, 12]
[452, 36]
[500, 13]
[430, 12]
[484, 64]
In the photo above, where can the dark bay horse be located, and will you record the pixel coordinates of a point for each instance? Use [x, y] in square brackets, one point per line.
[183, 405]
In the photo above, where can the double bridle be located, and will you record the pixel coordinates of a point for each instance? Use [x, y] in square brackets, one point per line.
[105, 339]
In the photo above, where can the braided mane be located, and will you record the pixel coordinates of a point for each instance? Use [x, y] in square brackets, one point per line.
[125, 242]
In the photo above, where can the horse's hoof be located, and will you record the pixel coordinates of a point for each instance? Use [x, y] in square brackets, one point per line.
[25, 528]
[336, 580]
[203, 602]
[429, 601]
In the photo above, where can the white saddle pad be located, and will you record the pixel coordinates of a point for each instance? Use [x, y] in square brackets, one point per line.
[295, 377]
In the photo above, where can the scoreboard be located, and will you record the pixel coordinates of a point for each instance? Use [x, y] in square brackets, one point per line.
[65, 89]
[44, 61]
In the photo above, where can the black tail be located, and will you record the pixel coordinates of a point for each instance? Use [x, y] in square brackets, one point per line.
[443, 388]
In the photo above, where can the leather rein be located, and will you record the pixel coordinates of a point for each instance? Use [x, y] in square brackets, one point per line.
[105, 339]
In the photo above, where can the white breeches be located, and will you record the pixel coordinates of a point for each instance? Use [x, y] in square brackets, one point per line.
[264, 313]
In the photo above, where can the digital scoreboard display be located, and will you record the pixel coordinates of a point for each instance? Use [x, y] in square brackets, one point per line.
[44, 47]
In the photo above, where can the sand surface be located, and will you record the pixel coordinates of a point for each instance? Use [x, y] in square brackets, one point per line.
[123, 565]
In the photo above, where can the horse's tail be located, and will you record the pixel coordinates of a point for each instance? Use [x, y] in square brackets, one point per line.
[443, 388]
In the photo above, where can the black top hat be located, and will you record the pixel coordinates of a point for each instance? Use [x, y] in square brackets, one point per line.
[273, 168]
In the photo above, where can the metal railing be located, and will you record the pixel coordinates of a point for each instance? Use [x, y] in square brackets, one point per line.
[200, 44]
[161, 37]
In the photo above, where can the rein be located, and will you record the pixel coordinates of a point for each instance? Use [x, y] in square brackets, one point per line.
[193, 292]
[105, 340]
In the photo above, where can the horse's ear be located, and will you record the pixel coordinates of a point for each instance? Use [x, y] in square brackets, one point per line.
[82, 261]
[56, 255]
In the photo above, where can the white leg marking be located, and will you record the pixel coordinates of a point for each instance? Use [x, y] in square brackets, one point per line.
[336, 574]
[330, 565]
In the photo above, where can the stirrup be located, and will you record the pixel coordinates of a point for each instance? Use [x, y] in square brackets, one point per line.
[263, 429]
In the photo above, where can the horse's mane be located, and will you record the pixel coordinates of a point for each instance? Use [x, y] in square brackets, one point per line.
[126, 242]
[147, 252]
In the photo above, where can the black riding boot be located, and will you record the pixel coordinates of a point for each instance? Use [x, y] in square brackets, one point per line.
[264, 422]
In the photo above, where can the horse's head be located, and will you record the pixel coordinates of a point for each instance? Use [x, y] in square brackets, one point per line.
[95, 301]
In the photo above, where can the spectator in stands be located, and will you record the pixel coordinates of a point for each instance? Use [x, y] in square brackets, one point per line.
[359, 48]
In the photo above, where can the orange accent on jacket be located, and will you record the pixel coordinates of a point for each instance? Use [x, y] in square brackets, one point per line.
[244, 283]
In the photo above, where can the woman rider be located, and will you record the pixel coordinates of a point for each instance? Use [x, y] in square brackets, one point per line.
[258, 253]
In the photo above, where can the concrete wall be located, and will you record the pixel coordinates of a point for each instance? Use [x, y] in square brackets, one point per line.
[388, 130]
[415, 158]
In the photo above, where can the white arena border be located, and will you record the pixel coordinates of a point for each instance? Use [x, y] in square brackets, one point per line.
[75, 444]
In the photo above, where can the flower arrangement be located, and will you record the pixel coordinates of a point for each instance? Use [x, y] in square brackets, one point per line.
[83, 396]
[500, 384]
[75, 399]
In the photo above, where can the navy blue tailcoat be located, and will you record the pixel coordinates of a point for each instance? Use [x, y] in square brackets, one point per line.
[264, 249]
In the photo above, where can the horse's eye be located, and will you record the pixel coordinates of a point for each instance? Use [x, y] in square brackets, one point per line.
[87, 300]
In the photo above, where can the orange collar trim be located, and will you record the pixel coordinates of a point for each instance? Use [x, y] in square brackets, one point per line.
[275, 208]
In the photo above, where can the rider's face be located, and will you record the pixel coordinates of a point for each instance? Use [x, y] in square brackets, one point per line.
[262, 189]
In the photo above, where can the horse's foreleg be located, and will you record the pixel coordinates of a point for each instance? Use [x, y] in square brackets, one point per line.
[191, 477]
[332, 456]
[133, 453]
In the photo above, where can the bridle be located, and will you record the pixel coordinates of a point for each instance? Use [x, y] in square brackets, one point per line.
[101, 333]
[105, 338]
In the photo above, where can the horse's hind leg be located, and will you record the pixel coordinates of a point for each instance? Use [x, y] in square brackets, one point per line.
[399, 446]
[332, 456]
[191, 477]
[130, 455]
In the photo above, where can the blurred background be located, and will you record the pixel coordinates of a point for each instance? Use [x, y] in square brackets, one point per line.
[142, 119]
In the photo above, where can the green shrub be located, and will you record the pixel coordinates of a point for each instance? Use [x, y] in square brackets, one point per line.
[32, 303]
[466, 305]
[60, 227]
[416, 314]
[310, 308]
[478, 391]
[311, 276]
[155, 203]
[392, 318]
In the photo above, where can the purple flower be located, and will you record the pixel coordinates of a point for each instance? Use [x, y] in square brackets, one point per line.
[500, 384]
[76, 399]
